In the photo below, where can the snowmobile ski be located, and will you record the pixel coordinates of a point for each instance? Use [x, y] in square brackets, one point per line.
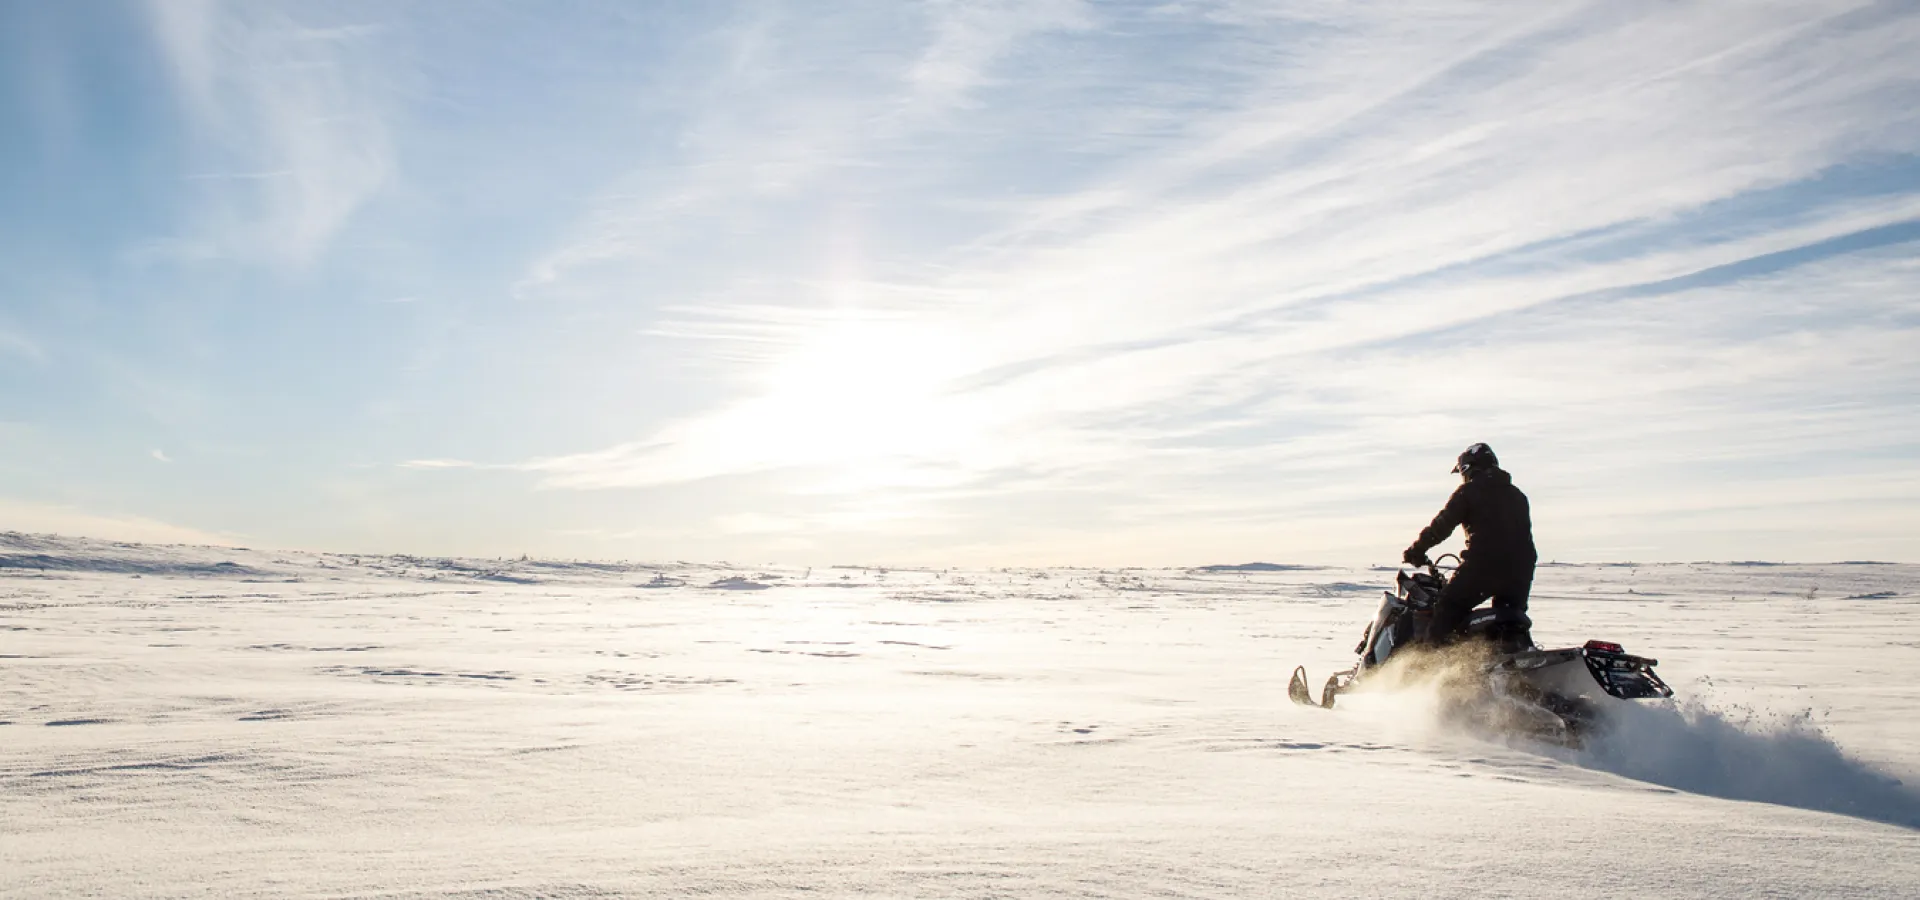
[1299, 692]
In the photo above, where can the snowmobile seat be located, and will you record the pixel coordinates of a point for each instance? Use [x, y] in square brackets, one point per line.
[1499, 614]
[1508, 630]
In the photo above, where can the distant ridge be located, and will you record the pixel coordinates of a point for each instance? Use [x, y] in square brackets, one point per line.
[1261, 567]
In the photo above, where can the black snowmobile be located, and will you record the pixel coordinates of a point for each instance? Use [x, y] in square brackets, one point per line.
[1494, 676]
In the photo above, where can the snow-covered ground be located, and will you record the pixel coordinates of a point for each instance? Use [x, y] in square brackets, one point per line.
[191, 721]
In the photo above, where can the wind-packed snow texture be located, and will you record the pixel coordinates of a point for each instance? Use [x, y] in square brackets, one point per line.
[189, 721]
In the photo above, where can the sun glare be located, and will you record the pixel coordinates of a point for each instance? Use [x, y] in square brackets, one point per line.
[860, 394]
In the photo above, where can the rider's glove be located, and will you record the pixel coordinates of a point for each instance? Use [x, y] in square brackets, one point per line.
[1414, 557]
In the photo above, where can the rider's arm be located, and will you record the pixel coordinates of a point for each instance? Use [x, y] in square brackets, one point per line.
[1449, 518]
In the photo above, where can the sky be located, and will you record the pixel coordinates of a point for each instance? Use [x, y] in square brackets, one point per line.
[960, 283]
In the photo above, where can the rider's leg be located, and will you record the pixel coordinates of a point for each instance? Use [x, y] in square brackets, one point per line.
[1462, 593]
[1513, 590]
[1510, 595]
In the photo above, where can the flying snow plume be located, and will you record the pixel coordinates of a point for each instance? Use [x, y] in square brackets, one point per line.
[1741, 753]
[1701, 745]
[1423, 702]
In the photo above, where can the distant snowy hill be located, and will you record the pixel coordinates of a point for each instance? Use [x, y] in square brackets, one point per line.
[1260, 567]
[50, 553]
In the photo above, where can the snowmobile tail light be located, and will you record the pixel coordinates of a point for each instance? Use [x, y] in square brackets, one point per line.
[1605, 647]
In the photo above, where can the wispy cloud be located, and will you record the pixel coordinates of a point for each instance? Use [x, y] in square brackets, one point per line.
[19, 345]
[290, 118]
[799, 99]
[441, 464]
[969, 39]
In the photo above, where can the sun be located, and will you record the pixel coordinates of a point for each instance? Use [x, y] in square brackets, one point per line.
[863, 392]
[850, 406]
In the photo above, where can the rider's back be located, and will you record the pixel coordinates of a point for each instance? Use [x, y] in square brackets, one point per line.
[1497, 520]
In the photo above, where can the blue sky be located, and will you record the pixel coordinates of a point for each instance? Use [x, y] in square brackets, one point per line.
[970, 283]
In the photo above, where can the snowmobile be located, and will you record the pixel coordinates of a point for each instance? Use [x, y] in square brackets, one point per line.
[1493, 676]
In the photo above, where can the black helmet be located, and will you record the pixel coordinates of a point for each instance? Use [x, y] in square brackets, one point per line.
[1476, 457]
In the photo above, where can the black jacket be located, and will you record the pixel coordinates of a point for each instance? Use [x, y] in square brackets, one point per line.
[1498, 522]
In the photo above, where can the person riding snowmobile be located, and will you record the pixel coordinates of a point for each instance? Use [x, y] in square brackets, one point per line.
[1499, 556]
[1501, 681]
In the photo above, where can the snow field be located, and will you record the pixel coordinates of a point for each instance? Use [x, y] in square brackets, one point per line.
[325, 726]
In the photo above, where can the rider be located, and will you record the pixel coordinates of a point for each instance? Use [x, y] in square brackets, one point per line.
[1499, 557]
